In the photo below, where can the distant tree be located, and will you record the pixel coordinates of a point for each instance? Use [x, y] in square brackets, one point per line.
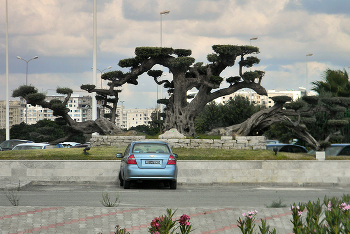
[33, 97]
[234, 111]
[145, 129]
[42, 131]
[335, 82]
[187, 75]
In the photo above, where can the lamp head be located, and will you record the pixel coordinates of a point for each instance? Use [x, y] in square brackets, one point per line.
[35, 57]
[164, 12]
[19, 57]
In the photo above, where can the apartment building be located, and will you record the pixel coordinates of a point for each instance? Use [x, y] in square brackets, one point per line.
[260, 99]
[80, 109]
[14, 113]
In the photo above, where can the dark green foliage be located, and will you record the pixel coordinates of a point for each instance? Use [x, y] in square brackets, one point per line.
[213, 58]
[295, 105]
[234, 111]
[280, 132]
[249, 61]
[147, 52]
[78, 137]
[131, 62]
[43, 131]
[227, 49]
[163, 101]
[23, 91]
[282, 99]
[250, 76]
[64, 90]
[337, 122]
[146, 130]
[182, 52]
[88, 87]
[233, 79]
[113, 75]
[311, 100]
[215, 79]
[309, 120]
[36, 97]
[183, 62]
[155, 73]
[335, 82]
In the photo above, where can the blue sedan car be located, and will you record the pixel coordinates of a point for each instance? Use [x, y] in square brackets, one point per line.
[148, 160]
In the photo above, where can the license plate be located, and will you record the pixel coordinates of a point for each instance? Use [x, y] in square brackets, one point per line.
[152, 162]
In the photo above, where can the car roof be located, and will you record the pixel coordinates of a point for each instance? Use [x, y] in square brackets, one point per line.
[149, 142]
[340, 144]
[33, 144]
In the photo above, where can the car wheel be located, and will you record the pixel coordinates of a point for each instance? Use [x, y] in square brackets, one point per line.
[121, 182]
[173, 184]
[126, 184]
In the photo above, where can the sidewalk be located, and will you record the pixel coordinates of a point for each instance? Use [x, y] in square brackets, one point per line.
[95, 220]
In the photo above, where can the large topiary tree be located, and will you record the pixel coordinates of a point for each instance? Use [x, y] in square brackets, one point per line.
[33, 97]
[188, 75]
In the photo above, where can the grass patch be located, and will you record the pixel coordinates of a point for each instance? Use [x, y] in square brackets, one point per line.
[109, 153]
[221, 154]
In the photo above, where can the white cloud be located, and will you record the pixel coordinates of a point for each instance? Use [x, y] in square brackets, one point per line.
[60, 33]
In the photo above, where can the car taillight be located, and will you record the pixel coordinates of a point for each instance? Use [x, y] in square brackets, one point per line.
[131, 160]
[171, 160]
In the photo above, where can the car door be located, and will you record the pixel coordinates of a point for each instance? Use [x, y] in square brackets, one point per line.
[124, 159]
[345, 151]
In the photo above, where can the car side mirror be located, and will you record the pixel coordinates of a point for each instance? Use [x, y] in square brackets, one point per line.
[119, 155]
[175, 155]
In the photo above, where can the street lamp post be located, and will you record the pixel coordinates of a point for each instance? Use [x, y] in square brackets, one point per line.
[307, 76]
[102, 72]
[161, 45]
[27, 61]
[253, 39]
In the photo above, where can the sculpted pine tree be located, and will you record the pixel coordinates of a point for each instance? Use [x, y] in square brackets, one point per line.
[297, 116]
[188, 75]
[33, 97]
[109, 97]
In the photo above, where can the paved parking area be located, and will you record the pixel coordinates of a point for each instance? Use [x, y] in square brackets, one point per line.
[136, 220]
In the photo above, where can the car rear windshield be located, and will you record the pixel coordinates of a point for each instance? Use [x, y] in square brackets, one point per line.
[150, 148]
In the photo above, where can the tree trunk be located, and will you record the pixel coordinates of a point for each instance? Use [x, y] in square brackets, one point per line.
[264, 119]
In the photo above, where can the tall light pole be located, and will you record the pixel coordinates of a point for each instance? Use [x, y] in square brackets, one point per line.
[94, 62]
[250, 92]
[161, 45]
[102, 72]
[7, 77]
[253, 39]
[307, 76]
[27, 61]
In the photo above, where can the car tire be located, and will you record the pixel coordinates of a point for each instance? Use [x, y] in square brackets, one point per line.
[121, 181]
[127, 184]
[173, 184]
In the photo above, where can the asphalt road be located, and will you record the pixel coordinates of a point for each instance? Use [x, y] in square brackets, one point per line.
[156, 195]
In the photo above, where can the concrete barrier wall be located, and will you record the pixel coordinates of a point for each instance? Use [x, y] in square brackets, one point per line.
[198, 172]
[226, 142]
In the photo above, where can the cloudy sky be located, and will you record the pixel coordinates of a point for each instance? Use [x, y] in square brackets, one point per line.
[60, 32]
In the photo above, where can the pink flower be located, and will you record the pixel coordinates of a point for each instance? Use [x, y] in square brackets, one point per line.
[184, 220]
[329, 206]
[244, 214]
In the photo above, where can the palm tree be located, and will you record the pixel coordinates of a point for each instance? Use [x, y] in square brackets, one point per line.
[335, 82]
